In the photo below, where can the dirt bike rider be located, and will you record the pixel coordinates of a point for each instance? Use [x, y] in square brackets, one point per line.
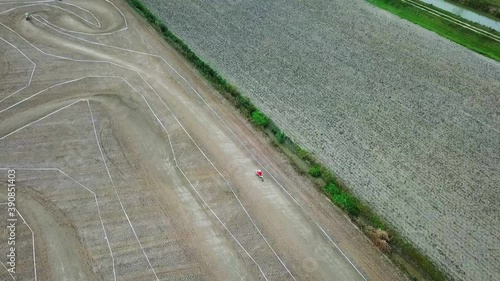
[259, 174]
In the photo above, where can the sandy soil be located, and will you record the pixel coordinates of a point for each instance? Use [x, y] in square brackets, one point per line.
[129, 167]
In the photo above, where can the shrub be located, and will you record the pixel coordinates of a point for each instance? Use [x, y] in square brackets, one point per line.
[259, 118]
[303, 154]
[280, 136]
[315, 172]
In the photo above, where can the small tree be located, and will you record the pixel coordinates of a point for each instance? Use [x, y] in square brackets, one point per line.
[259, 118]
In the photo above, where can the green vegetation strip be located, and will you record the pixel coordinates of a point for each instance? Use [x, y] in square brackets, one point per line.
[407, 257]
[463, 36]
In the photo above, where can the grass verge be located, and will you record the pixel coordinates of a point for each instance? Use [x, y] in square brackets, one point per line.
[465, 37]
[404, 255]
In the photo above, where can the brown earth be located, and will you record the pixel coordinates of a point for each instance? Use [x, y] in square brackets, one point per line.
[129, 167]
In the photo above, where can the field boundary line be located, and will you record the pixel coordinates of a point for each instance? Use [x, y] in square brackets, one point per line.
[57, 7]
[73, 13]
[59, 57]
[75, 80]
[42, 91]
[32, 240]
[86, 33]
[100, 218]
[83, 9]
[116, 192]
[86, 188]
[45, 3]
[33, 244]
[42, 1]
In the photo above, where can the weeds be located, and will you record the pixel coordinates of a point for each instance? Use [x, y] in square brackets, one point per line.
[280, 136]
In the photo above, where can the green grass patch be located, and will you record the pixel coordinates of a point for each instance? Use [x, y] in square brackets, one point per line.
[465, 37]
[314, 172]
[303, 161]
[495, 3]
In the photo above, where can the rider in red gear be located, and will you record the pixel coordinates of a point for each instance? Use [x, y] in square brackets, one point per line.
[259, 174]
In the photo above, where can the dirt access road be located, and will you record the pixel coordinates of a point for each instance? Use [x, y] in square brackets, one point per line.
[129, 167]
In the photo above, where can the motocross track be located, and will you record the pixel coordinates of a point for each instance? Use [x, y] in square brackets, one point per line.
[129, 167]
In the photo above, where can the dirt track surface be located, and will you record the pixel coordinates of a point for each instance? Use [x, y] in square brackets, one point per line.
[410, 120]
[129, 167]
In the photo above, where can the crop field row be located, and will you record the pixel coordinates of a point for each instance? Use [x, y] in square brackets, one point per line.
[408, 119]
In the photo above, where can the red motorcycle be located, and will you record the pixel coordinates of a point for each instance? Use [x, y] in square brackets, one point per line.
[258, 173]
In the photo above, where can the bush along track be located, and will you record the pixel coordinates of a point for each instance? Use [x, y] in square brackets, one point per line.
[468, 34]
[404, 255]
